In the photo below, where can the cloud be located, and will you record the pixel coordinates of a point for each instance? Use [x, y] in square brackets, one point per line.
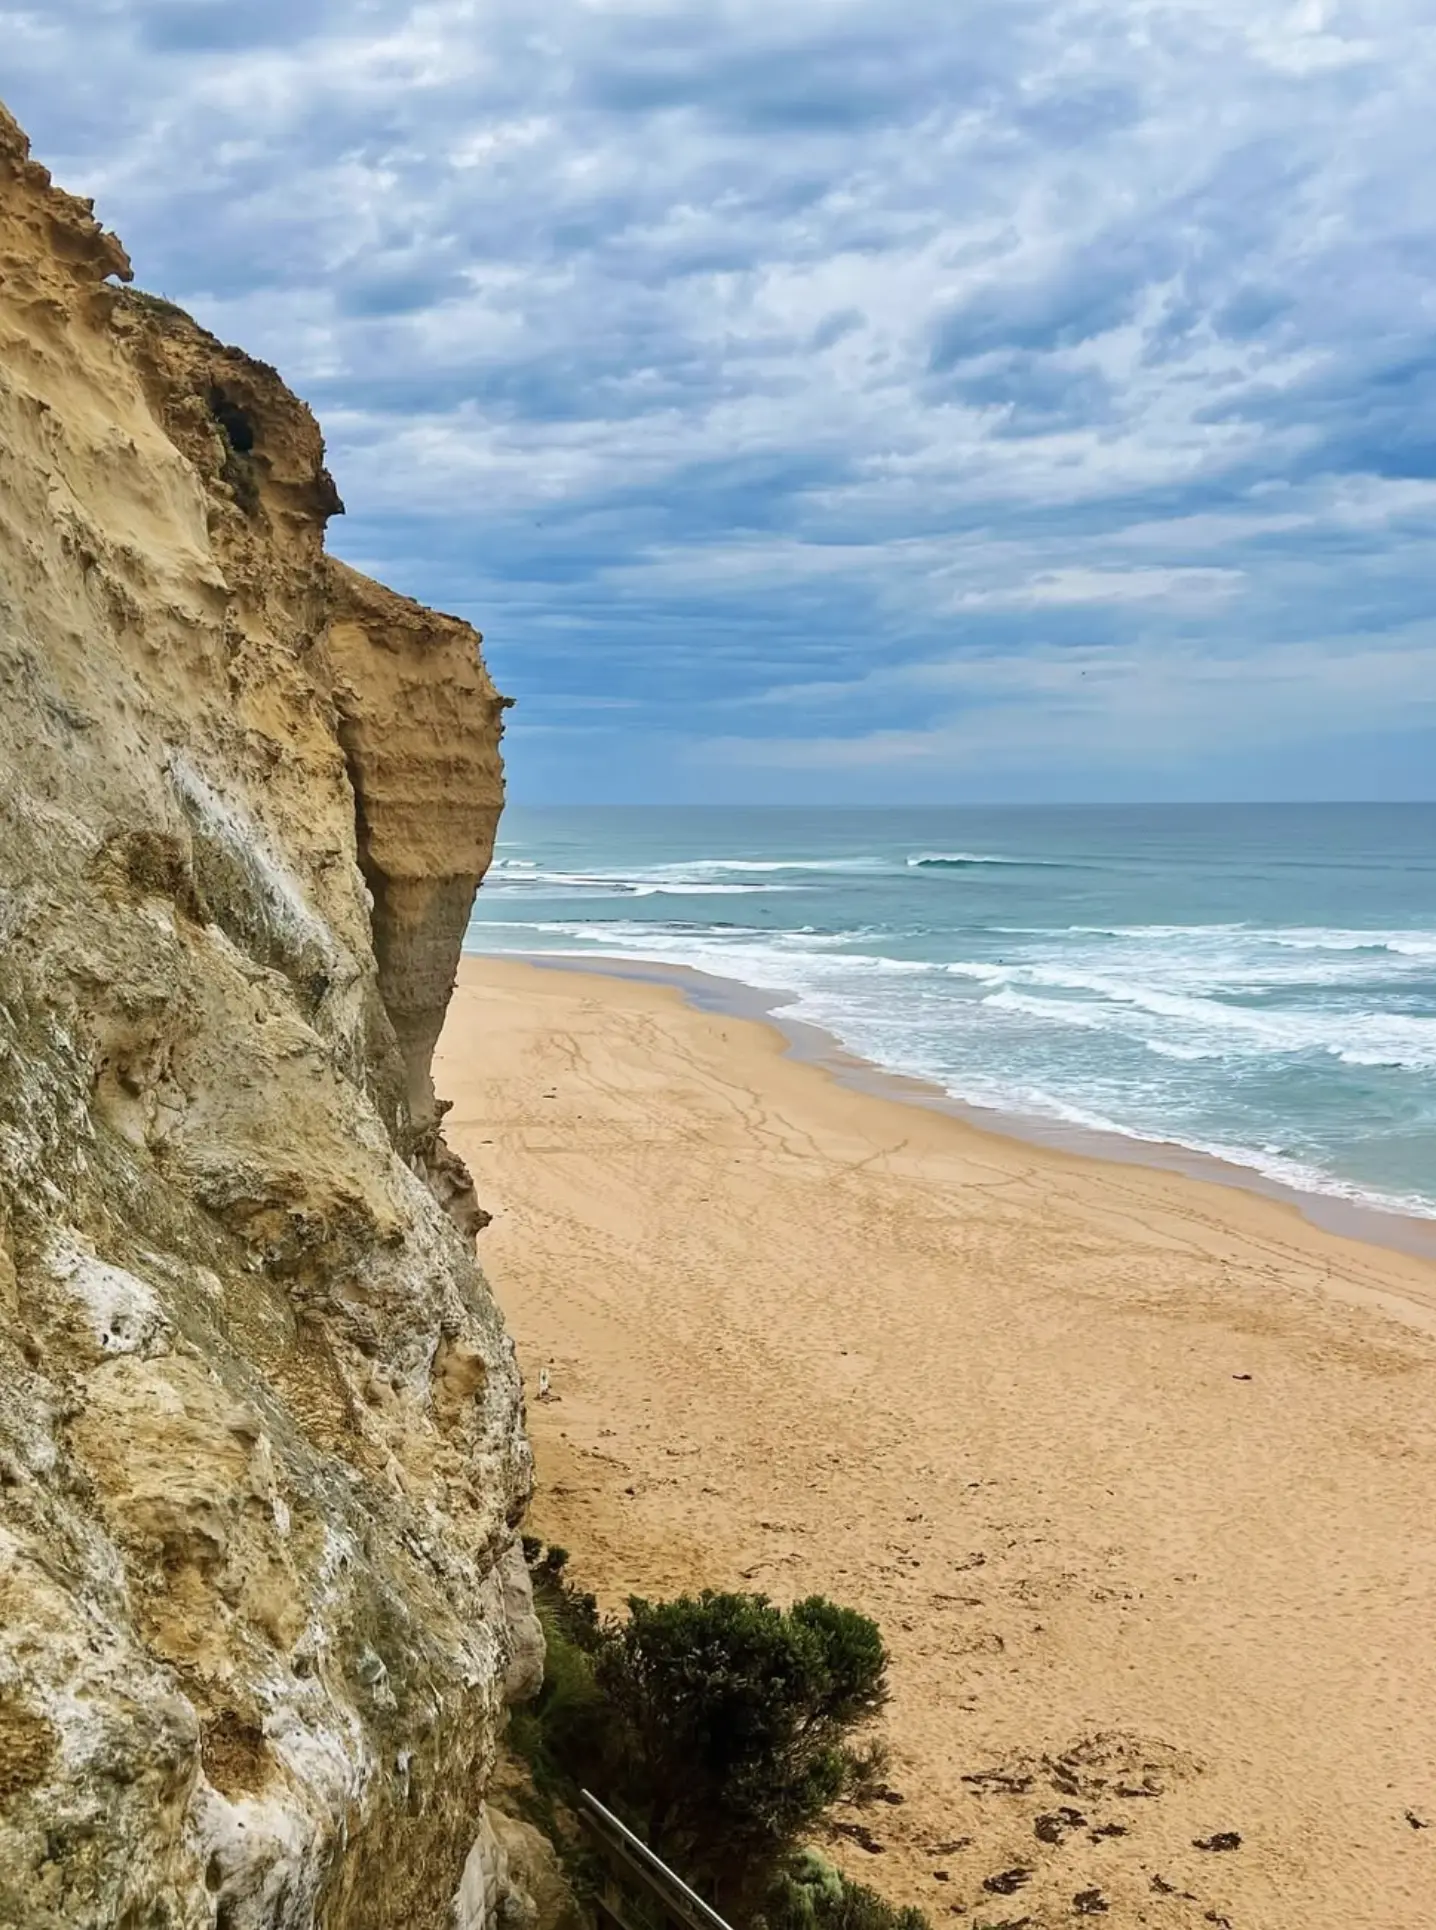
[1139, 704]
[1055, 588]
[745, 360]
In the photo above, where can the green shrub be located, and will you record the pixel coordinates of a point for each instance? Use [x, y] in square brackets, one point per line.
[561, 1734]
[804, 1896]
[720, 1726]
[573, 1611]
[737, 1716]
[811, 1895]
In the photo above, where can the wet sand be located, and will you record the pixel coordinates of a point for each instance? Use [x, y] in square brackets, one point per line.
[1135, 1470]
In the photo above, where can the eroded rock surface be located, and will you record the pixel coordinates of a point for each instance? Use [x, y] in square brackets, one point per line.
[261, 1447]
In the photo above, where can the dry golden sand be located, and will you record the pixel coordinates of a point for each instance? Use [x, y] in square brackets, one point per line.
[1137, 1472]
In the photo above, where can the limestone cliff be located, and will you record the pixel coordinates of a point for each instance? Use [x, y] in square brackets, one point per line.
[261, 1446]
[428, 793]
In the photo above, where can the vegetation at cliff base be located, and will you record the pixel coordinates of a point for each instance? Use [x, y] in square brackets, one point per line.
[723, 1728]
[809, 1894]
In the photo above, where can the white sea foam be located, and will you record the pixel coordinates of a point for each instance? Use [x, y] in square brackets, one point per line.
[1301, 1176]
[696, 877]
[533, 883]
[1356, 1038]
[698, 867]
[1250, 940]
[1051, 1011]
[1056, 994]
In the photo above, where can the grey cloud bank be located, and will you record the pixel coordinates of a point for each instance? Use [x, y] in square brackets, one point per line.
[835, 400]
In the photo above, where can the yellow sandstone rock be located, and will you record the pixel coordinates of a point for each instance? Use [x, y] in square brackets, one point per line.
[261, 1445]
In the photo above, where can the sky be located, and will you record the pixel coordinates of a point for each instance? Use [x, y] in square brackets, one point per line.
[821, 401]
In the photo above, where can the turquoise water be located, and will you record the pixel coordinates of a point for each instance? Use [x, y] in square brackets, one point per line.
[1255, 982]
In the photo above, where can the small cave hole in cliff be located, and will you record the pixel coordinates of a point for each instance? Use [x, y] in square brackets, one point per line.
[237, 427]
[239, 461]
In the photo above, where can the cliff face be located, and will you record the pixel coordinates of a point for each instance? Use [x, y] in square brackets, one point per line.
[261, 1451]
[428, 795]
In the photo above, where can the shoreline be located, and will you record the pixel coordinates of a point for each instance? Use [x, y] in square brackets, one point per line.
[1133, 1470]
[812, 1044]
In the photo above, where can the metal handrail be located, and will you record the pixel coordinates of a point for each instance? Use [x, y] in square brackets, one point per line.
[665, 1884]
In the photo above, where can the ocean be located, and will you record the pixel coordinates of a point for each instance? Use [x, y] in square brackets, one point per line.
[1252, 983]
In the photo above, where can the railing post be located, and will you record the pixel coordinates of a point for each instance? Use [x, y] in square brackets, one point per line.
[629, 1857]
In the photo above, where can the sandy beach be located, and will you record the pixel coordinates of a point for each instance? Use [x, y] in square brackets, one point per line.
[1137, 1472]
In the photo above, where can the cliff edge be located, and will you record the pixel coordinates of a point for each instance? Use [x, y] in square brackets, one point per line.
[261, 1443]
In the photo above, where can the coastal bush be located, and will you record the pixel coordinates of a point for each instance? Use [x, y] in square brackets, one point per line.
[811, 1895]
[738, 1715]
[722, 1728]
[562, 1733]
